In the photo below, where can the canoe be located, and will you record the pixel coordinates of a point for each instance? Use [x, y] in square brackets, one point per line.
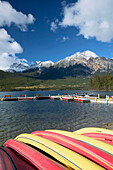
[107, 138]
[82, 148]
[6, 161]
[67, 98]
[55, 97]
[9, 160]
[93, 142]
[82, 100]
[42, 97]
[32, 156]
[25, 98]
[94, 129]
[10, 99]
[62, 154]
[101, 134]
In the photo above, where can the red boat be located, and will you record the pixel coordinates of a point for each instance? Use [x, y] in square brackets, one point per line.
[82, 100]
[25, 98]
[30, 156]
[42, 97]
[10, 99]
[67, 98]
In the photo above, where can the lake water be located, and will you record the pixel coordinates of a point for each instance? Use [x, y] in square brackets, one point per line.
[26, 116]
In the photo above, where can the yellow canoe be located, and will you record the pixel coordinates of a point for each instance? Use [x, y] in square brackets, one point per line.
[94, 130]
[69, 158]
[98, 144]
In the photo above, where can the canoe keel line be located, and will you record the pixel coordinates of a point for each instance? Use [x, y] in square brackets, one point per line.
[84, 149]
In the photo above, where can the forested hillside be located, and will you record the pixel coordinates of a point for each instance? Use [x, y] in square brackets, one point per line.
[99, 82]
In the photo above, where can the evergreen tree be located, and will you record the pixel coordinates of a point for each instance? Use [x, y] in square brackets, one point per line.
[101, 83]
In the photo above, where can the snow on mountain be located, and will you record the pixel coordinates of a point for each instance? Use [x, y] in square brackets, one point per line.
[18, 67]
[40, 64]
[88, 54]
[77, 58]
[87, 58]
[36, 65]
[47, 64]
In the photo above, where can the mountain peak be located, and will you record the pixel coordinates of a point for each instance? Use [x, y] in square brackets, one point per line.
[88, 54]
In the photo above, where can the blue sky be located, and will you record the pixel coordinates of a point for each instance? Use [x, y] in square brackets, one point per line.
[54, 29]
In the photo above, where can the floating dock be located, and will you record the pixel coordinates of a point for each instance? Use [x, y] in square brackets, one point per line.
[64, 97]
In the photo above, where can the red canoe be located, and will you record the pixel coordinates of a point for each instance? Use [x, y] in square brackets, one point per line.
[32, 156]
[82, 100]
[80, 147]
[10, 161]
[5, 161]
[25, 98]
[107, 138]
[10, 99]
[42, 97]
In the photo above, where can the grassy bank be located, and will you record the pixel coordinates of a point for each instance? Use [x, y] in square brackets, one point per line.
[20, 82]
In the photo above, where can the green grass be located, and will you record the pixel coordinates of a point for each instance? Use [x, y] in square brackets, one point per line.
[29, 81]
[69, 82]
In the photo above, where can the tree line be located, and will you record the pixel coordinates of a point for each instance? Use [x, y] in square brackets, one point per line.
[101, 82]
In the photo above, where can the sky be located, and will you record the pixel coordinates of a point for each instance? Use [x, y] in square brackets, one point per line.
[42, 30]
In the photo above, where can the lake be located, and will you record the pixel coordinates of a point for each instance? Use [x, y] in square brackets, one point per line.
[26, 116]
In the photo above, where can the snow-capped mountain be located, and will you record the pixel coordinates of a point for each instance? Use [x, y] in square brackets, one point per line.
[18, 67]
[40, 64]
[87, 59]
[77, 58]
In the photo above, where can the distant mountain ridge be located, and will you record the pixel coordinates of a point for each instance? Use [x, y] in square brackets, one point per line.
[21, 67]
[87, 62]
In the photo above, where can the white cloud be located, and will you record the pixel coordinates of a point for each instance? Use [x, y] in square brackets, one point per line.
[8, 46]
[8, 50]
[9, 15]
[92, 18]
[65, 38]
[53, 25]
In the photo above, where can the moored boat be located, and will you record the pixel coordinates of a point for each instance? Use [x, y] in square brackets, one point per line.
[55, 97]
[9, 99]
[41, 97]
[67, 98]
[25, 98]
[82, 100]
